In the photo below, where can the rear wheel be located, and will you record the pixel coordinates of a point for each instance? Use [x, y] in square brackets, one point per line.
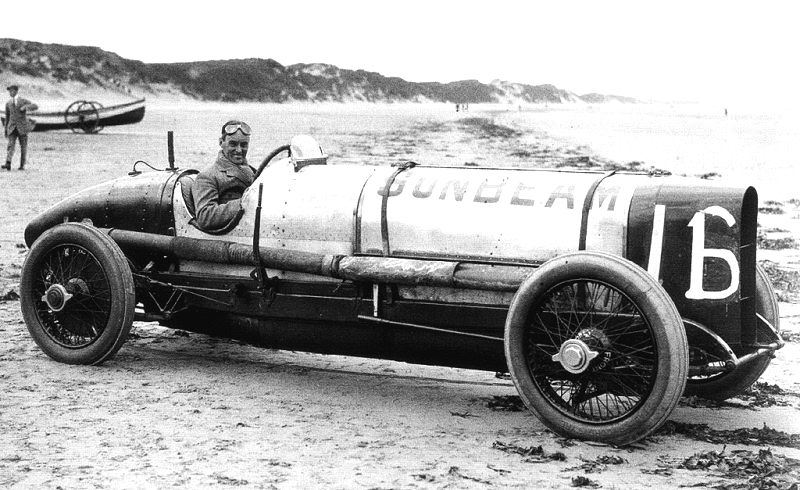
[77, 294]
[596, 348]
[726, 385]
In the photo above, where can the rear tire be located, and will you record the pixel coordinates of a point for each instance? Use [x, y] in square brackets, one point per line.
[77, 294]
[596, 348]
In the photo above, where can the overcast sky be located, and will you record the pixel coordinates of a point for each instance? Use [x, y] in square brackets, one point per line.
[712, 51]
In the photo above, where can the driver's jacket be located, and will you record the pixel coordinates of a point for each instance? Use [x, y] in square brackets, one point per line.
[217, 192]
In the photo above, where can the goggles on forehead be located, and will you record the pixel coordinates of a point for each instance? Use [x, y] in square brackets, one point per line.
[233, 126]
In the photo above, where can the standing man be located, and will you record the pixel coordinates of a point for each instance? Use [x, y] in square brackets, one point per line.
[17, 126]
[217, 191]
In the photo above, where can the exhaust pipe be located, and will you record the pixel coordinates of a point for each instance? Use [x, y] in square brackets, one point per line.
[389, 270]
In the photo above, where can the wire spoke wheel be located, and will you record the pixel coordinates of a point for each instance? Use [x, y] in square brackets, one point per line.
[596, 348]
[591, 351]
[724, 385]
[74, 296]
[77, 294]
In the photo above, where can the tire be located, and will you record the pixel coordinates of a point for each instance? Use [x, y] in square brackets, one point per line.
[594, 302]
[727, 385]
[77, 294]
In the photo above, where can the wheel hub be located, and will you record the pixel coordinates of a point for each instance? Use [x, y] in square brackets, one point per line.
[56, 297]
[77, 285]
[575, 356]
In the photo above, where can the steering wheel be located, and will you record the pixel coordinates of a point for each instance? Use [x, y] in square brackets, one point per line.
[271, 156]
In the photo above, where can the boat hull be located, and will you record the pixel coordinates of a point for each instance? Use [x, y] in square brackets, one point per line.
[117, 115]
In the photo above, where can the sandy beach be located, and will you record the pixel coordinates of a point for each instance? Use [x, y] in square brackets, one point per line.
[182, 410]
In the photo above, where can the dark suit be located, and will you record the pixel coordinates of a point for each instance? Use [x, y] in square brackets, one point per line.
[217, 192]
[17, 128]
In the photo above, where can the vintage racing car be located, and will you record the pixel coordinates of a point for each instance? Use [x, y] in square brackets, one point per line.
[606, 296]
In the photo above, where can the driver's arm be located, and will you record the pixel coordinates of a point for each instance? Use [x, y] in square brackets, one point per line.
[28, 106]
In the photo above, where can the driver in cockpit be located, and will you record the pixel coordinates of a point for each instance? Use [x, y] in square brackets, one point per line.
[217, 190]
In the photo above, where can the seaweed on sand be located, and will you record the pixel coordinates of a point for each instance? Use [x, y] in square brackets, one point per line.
[782, 243]
[771, 207]
[532, 454]
[599, 464]
[762, 394]
[506, 403]
[762, 469]
[582, 481]
[785, 281]
[702, 432]
[487, 128]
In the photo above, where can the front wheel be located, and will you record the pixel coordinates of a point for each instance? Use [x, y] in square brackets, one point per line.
[77, 294]
[722, 386]
[596, 348]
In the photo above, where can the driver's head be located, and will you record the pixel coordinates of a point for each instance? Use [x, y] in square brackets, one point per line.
[235, 140]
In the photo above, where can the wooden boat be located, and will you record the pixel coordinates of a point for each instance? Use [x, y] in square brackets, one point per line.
[88, 116]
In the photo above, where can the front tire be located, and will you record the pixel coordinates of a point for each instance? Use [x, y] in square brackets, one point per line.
[596, 348]
[727, 385]
[77, 294]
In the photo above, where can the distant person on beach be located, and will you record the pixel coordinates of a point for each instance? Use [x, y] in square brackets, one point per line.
[217, 190]
[17, 126]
